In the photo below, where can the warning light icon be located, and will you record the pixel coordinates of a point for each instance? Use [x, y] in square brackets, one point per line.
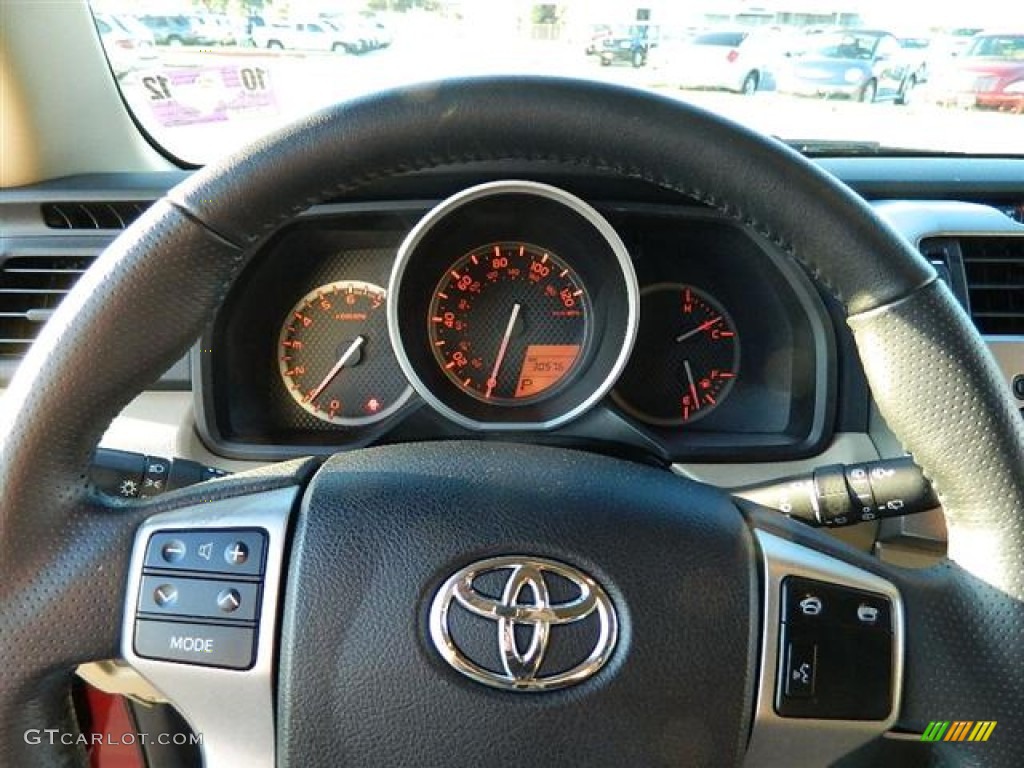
[373, 405]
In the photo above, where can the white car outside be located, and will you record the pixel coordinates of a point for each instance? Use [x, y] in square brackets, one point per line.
[733, 60]
[318, 35]
[127, 43]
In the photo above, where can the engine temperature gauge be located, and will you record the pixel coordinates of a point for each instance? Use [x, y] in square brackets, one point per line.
[686, 358]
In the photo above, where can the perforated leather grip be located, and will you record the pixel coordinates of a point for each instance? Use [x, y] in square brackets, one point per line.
[940, 391]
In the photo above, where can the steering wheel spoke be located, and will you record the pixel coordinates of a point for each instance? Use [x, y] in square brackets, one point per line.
[65, 598]
[200, 616]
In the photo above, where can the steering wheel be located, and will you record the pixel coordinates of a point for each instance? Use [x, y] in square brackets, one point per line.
[365, 541]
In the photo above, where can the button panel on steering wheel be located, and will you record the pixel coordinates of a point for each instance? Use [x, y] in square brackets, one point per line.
[832, 648]
[837, 652]
[187, 611]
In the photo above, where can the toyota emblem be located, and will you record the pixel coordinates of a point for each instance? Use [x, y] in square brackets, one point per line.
[532, 603]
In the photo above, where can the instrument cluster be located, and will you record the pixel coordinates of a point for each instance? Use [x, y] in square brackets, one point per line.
[517, 307]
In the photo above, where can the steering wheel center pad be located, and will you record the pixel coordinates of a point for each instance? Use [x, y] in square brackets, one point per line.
[382, 528]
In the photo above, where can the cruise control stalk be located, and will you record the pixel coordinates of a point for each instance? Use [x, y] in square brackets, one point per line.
[846, 494]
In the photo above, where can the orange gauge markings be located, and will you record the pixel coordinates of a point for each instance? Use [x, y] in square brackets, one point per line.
[339, 367]
[514, 322]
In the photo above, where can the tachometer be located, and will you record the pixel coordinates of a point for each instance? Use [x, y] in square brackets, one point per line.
[335, 357]
[509, 322]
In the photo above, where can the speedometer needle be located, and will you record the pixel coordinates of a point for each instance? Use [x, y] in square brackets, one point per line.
[702, 327]
[345, 357]
[493, 381]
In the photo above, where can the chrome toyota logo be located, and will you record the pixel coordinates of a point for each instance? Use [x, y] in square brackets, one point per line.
[532, 605]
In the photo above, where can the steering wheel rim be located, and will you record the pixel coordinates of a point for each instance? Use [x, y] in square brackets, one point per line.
[904, 322]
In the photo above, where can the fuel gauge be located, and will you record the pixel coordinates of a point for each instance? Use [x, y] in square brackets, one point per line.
[686, 358]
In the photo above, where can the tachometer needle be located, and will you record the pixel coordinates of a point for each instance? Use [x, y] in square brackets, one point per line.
[342, 361]
[699, 329]
[693, 385]
[493, 381]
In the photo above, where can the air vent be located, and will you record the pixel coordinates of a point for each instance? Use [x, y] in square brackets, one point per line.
[994, 267]
[92, 215]
[31, 287]
[944, 255]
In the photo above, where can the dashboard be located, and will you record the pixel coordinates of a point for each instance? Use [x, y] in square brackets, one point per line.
[519, 310]
[798, 398]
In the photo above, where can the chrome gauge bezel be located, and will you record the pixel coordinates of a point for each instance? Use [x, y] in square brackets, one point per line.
[523, 211]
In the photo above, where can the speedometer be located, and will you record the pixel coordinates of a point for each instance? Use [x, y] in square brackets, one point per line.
[512, 305]
[509, 322]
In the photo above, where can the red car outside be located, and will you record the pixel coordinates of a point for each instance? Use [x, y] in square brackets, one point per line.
[990, 75]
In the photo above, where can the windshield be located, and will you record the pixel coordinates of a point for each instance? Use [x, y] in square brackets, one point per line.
[845, 46]
[202, 77]
[730, 39]
[999, 46]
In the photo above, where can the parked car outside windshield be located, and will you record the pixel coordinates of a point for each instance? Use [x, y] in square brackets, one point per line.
[129, 45]
[863, 65]
[832, 76]
[739, 60]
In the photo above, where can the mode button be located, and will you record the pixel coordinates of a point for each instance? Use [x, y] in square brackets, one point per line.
[204, 644]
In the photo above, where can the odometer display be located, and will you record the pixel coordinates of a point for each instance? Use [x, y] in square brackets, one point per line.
[509, 322]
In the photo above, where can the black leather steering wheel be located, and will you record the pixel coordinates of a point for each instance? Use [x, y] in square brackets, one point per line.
[64, 548]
